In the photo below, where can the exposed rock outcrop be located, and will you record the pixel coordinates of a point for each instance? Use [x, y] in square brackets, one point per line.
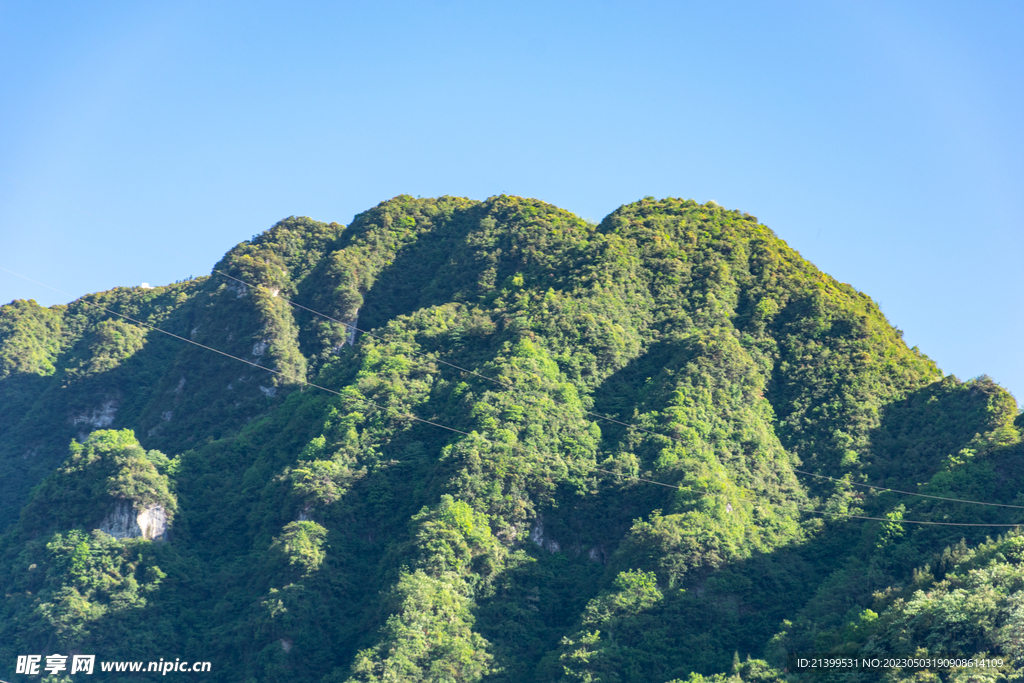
[538, 537]
[128, 521]
[100, 418]
[351, 340]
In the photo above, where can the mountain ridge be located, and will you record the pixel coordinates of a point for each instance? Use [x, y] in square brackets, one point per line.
[734, 358]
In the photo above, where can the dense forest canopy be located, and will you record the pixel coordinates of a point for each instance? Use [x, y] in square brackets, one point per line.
[635, 451]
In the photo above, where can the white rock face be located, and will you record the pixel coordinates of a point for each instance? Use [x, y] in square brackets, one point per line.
[238, 288]
[537, 536]
[153, 523]
[259, 348]
[127, 521]
[351, 341]
[99, 418]
[350, 332]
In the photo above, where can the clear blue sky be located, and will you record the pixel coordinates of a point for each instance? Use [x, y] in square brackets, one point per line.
[883, 140]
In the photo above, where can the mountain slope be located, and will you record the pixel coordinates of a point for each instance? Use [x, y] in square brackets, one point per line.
[474, 503]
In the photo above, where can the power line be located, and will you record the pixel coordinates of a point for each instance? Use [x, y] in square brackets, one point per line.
[904, 521]
[468, 371]
[816, 512]
[458, 431]
[510, 387]
[352, 326]
[505, 385]
[327, 317]
[910, 493]
[241, 360]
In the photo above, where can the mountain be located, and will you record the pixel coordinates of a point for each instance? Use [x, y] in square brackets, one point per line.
[637, 451]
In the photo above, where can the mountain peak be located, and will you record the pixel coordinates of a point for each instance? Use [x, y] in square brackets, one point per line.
[536, 448]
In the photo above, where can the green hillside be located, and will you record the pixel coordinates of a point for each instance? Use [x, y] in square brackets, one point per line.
[561, 451]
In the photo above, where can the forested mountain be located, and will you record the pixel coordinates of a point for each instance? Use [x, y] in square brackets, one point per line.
[632, 452]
